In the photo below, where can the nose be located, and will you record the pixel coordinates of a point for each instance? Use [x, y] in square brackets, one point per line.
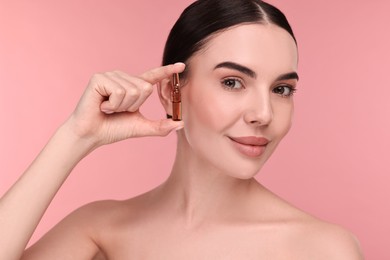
[259, 110]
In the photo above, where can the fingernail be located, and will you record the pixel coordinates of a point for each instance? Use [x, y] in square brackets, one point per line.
[179, 63]
[107, 111]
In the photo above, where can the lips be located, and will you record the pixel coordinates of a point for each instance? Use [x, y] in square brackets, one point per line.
[251, 140]
[251, 146]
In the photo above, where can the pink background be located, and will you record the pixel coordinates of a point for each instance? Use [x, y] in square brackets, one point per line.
[334, 163]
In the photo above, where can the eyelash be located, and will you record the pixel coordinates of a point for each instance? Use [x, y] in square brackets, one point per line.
[275, 90]
[291, 90]
[232, 88]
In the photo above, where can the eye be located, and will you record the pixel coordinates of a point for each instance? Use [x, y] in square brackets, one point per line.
[284, 90]
[232, 84]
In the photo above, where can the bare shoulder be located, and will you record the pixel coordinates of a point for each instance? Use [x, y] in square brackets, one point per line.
[310, 236]
[108, 218]
[108, 210]
[83, 234]
[105, 214]
[323, 240]
[74, 237]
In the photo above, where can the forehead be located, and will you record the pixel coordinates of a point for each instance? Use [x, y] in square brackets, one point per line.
[262, 47]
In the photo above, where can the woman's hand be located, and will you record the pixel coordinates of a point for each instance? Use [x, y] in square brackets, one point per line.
[107, 112]
[109, 108]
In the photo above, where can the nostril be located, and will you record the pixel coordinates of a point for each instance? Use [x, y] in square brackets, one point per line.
[258, 122]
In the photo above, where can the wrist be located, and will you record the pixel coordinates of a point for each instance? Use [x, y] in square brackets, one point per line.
[83, 141]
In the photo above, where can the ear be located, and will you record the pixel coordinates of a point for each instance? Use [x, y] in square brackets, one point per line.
[164, 89]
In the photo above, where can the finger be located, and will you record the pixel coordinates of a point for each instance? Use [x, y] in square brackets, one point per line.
[160, 127]
[135, 89]
[157, 74]
[110, 89]
[138, 93]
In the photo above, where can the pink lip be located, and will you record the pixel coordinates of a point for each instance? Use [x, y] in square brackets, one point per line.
[251, 146]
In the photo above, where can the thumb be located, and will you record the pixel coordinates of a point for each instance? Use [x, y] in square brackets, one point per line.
[164, 126]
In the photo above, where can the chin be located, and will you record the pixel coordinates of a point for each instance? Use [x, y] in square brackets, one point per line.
[245, 176]
[245, 172]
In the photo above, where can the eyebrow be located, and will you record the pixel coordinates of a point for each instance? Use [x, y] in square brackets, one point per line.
[251, 73]
[238, 67]
[291, 75]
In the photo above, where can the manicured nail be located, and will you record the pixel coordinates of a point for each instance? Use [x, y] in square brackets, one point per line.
[179, 63]
[107, 111]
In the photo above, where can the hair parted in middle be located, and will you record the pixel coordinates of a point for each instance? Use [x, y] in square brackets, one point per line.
[204, 18]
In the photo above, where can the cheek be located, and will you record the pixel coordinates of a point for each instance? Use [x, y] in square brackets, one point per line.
[205, 109]
[283, 115]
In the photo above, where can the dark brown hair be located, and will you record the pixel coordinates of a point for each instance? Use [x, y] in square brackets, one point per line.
[204, 18]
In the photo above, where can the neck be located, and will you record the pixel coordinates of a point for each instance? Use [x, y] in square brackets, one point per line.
[199, 191]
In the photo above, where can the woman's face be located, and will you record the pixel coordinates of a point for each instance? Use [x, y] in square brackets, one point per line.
[237, 101]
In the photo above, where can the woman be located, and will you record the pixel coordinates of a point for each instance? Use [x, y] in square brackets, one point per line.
[238, 77]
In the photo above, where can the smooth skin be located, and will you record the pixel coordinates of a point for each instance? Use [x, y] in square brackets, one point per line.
[85, 130]
[210, 207]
